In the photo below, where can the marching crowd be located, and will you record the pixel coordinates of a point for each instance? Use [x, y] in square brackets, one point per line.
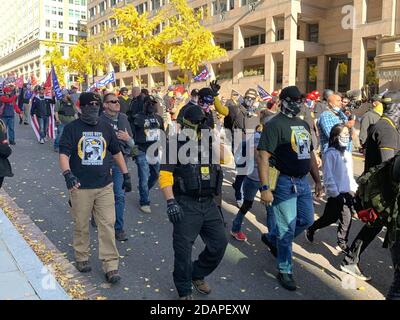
[277, 143]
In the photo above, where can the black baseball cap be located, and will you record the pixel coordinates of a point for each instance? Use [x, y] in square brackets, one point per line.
[290, 93]
[87, 97]
[204, 92]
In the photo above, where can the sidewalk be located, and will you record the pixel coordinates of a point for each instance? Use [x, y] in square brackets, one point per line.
[22, 275]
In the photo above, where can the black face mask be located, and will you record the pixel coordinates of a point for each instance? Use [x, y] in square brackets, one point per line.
[90, 114]
[150, 108]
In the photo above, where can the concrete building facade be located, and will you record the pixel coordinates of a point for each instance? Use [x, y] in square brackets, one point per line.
[27, 24]
[337, 44]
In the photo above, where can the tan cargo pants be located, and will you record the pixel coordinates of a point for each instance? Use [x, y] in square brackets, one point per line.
[101, 203]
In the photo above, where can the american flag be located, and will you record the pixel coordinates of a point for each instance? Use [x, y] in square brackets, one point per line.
[204, 75]
[265, 96]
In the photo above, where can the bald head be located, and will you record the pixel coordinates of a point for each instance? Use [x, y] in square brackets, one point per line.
[334, 100]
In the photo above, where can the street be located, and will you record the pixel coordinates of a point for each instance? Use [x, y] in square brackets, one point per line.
[248, 270]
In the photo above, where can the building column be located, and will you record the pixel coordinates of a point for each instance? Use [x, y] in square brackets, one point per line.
[238, 40]
[302, 75]
[237, 70]
[167, 79]
[270, 30]
[269, 72]
[389, 15]
[211, 69]
[123, 67]
[321, 77]
[290, 54]
[358, 63]
[150, 81]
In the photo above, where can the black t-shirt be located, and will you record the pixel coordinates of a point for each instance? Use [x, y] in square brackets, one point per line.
[147, 130]
[90, 149]
[380, 135]
[289, 142]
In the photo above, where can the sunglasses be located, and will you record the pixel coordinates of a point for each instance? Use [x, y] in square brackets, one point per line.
[113, 101]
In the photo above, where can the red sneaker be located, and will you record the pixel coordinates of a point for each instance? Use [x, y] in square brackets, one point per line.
[239, 236]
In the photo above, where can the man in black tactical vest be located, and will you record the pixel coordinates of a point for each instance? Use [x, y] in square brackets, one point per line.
[190, 190]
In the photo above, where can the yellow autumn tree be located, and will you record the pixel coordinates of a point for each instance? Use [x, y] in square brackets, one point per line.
[86, 58]
[195, 46]
[182, 39]
[54, 56]
[137, 31]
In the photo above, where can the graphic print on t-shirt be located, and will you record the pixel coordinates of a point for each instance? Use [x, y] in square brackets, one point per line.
[151, 130]
[92, 148]
[301, 142]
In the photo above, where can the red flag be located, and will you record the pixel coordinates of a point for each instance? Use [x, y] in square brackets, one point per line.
[33, 80]
[47, 86]
[20, 82]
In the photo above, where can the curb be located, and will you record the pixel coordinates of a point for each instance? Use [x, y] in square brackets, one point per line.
[74, 276]
[38, 276]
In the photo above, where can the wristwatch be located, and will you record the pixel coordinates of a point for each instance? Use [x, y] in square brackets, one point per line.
[265, 187]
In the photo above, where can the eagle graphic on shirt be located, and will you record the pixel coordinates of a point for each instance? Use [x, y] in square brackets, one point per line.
[92, 148]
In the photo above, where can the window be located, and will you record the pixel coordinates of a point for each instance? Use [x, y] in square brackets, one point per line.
[254, 40]
[313, 32]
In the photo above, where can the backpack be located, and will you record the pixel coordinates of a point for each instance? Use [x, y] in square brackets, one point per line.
[378, 196]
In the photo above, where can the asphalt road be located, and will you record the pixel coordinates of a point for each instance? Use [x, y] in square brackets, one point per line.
[247, 270]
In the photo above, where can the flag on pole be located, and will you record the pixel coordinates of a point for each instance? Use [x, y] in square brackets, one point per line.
[20, 82]
[33, 81]
[56, 84]
[51, 130]
[204, 75]
[106, 80]
[47, 86]
[265, 96]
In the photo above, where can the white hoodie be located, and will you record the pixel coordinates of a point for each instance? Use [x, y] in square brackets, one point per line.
[338, 172]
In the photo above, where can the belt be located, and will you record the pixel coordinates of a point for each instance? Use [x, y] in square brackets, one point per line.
[196, 198]
[293, 177]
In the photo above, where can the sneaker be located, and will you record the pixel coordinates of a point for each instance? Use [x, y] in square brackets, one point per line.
[355, 271]
[309, 235]
[120, 235]
[239, 203]
[83, 266]
[113, 276]
[12, 143]
[188, 297]
[145, 209]
[201, 286]
[41, 141]
[26, 123]
[239, 236]
[286, 280]
[271, 247]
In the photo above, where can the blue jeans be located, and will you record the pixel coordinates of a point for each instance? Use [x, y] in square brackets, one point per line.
[60, 130]
[9, 122]
[119, 196]
[250, 189]
[293, 213]
[148, 176]
[43, 126]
